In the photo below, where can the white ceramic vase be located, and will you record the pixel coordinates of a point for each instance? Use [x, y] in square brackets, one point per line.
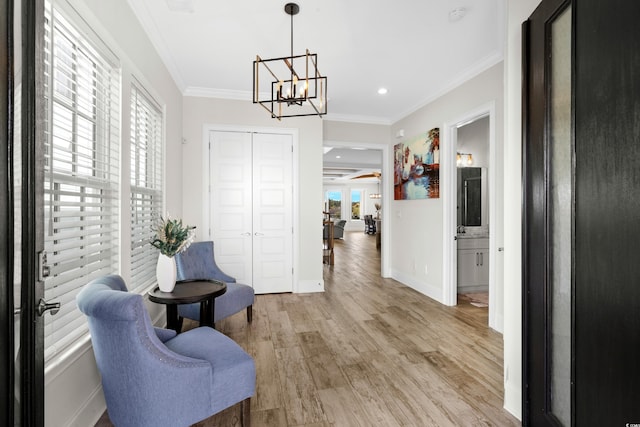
[166, 273]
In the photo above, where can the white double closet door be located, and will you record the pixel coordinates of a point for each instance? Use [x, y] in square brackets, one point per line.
[251, 207]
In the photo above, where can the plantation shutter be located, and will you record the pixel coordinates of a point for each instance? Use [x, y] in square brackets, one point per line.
[81, 173]
[146, 185]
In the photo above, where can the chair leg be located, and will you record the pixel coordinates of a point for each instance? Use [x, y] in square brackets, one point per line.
[250, 314]
[245, 412]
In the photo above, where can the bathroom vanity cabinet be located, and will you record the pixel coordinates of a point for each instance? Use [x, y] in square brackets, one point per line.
[473, 264]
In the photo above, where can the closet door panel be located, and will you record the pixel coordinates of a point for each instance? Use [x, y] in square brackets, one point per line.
[252, 208]
[272, 207]
[231, 197]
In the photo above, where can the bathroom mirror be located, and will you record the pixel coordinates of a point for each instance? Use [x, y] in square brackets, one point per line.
[472, 198]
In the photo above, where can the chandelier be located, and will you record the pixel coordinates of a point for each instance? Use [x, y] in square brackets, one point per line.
[292, 85]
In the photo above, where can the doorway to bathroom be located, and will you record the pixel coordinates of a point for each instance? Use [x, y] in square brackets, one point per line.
[470, 211]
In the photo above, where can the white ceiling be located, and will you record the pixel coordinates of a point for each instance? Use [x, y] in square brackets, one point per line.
[411, 47]
[342, 164]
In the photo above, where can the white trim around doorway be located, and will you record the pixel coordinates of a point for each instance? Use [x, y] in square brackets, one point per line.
[387, 194]
[449, 276]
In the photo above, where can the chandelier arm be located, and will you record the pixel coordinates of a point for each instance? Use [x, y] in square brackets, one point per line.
[273, 116]
[290, 66]
[269, 69]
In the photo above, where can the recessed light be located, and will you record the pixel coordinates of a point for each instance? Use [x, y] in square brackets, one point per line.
[382, 91]
[337, 157]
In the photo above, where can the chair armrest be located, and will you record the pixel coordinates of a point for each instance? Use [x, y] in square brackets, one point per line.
[164, 335]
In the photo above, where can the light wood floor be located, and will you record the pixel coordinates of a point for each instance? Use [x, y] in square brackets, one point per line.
[368, 352]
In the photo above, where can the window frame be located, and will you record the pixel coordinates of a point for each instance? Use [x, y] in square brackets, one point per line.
[327, 201]
[146, 187]
[361, 201]
[82, 171]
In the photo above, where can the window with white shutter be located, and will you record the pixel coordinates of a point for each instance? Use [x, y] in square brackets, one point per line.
[81, 173]
[146, 185]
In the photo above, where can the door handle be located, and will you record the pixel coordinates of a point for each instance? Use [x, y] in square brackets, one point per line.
[477, 259]
[259, 234]
[246, 234]
[481, 258]
[44, 306]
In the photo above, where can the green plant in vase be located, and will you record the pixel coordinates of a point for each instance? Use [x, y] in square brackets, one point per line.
[171, 238]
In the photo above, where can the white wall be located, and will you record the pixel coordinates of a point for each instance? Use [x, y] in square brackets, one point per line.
[517, 13]
[199, 112]
[365, 133]
[473, 138]
[73, 393]
[417, 226]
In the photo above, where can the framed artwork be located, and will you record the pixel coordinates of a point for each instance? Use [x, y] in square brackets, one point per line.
[417, 167]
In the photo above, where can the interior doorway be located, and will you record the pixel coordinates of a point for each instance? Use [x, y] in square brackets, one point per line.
[380, 185]
[472, 212]
[478, 246]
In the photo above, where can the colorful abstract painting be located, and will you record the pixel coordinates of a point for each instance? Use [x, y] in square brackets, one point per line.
[417, 167]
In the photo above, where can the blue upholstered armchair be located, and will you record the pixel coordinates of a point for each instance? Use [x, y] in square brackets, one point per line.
[197, 263]
[338, 230]
[153, 377]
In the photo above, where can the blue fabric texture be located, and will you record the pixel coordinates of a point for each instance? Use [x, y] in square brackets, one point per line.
[150, 383]
[198, 262]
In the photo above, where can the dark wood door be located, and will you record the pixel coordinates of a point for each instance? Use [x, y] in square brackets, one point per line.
[581, 275]
[6, 227]
[607, 297]
[21, 221]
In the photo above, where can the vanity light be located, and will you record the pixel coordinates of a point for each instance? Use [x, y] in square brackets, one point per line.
[459, 159]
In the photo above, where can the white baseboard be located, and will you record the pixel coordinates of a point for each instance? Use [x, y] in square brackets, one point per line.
[309, 286]
[499, 324]
[92, 409]
[513, 400]
[432, 291]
